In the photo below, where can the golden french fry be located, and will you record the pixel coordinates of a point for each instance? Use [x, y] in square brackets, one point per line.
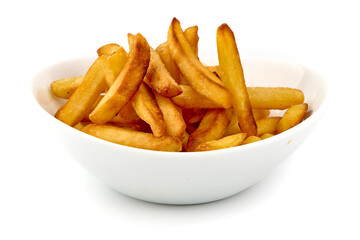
[148, 110]
[225, 142]
[198, 76]
[251, 139]
[126, 84]
[159, 78]
[260, 113]
[266, 135]
[84, 97]
[232, 75]
[127, 115]
[191, 99]
[191, 35]
[173, 119]
[114, 65]
[293, 116]
[132, 138]
[165, 54]
[212, 127]
[274, 97]
[267, 125]
[64, 88]
[108, 49]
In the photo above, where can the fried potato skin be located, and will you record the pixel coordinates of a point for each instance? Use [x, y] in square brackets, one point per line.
[133, 138]
[232, 75]
[212, 127]
[126, 84]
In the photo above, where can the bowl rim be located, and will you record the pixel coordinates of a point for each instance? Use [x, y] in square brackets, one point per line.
[313, 118]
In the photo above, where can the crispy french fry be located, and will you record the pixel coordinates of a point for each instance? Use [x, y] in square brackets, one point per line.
[84, 97]
[225, 142]
[108, 49]
[191, 35]
[173, 119]
[266, 135]
[274, 97]
[191, 99]
[114, 65]
[293, 116]
[159, 78]
[267, 125]
[198, 76]
[165, 54]
[148, 110]
[126, 84]
[251, 139]
[260, 113]
[132, 138]
[233, 78]
[212, 127]
[64, 88]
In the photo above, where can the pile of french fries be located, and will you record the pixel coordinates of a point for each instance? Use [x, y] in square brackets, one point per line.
[166, 99]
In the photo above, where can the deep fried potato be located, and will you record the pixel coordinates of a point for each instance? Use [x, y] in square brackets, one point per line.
[127, 115]
[198, 76]
[266, 135]
[293, 116]
[191, 35]
[232, 75]
[173, 119]
[126, 84]
[274, 97]
[191, 99]
[251, 139]
[132, 138]
[159, 78]
[225, 142]
[64, 88]
[148, 110]
[267, 125]
[114, 65]
[212, 127]
[84, 97]
[165, 54]
[108, 49]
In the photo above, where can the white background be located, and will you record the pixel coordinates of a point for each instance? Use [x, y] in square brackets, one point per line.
[45, 194]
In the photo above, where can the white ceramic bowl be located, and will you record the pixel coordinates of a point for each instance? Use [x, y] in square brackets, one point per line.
[186, 178]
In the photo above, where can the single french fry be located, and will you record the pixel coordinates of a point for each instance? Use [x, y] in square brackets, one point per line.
[84, 97]
[64, 88]
[251, 139]
[212, 127]
[260, 113]
[126, 84]
[266, 135]
[267, 125]
[274, 97]
[166, 57]
[191, 35]
[148, 110]
[114, 65]
[293, 116]
[159, 78]
[132, 138]
[108, 49]
[198, 76]
[233, 78]
[225, 142]
[189, 98]
[173, 119]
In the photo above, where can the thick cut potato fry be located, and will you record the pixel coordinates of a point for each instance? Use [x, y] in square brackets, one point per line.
[191, 99]
[64, 88]
[108, 49]
[84, 97]
[159, 78]
[251, 139]
[260, 113]
[232, 75]
[126, 84]
[225, 142]
[191, 35]
[166, 57]
[293, 116]
[212, 127]
[132, 138]
[267, 125]
[148, 110]
[274, 97]
[198, 76]
[114, 65]
[173, 119]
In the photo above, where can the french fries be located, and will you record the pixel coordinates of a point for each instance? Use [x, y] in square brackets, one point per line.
[167, 100]
[233, 77]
